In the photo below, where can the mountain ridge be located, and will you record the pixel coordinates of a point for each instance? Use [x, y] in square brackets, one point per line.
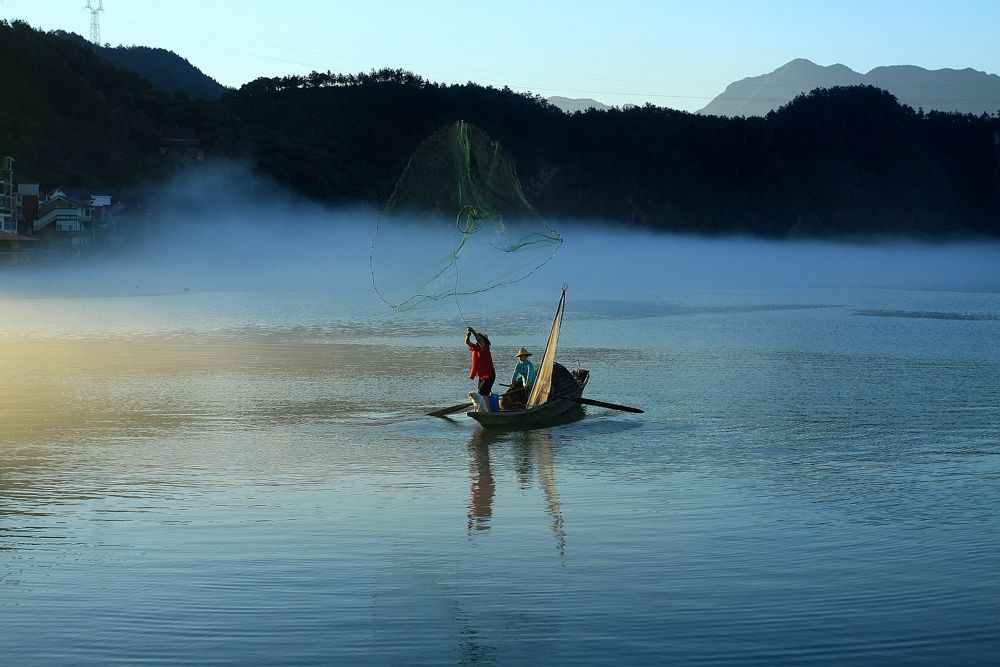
[166, 70]
[572, 105]
[963, 91]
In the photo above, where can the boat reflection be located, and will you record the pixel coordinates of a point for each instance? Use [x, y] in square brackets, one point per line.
[534, 453]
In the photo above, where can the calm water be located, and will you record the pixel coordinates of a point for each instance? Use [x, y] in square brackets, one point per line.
[245, 478]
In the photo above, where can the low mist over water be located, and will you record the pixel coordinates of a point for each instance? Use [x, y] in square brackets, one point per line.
[224, 228]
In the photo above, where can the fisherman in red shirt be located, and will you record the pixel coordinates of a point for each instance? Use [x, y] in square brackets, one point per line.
[482, 361]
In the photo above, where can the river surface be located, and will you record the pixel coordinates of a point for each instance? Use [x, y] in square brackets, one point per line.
[246, 478]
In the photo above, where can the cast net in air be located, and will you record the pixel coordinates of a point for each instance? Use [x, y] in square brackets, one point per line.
[457, 223]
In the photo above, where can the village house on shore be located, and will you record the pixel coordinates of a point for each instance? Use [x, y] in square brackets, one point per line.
[72, 221]
[37, 226]
[14, 247]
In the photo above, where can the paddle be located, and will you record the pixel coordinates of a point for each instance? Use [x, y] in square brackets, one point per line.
[599, 404]
[447, 411]
[602, 404]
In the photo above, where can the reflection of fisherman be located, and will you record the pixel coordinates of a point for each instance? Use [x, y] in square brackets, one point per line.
[482, 486]
[482, 361]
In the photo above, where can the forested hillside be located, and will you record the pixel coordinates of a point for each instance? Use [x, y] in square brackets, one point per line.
[69, 117]
[837, 161]
[834, 162]
[166, 70]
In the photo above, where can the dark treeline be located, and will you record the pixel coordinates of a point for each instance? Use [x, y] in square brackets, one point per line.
[835, 162]
[69, 118]
[164, 69]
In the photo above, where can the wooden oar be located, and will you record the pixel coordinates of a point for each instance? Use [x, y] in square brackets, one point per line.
[447, 411]
[602, 404]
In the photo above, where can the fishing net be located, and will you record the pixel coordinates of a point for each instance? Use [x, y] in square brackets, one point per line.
[457, 223]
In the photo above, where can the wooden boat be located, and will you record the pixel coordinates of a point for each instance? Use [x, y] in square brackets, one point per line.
[558, 410]
[555, 396]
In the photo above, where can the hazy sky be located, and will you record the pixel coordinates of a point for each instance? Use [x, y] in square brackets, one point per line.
[669, 53]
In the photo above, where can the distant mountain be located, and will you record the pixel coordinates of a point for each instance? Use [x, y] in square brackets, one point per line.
[965, 91]
[166, 70]
[571, 105]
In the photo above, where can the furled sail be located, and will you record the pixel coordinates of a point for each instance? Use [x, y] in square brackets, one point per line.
[542, 389]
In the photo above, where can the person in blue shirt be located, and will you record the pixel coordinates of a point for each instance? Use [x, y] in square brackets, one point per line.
[520, 383]
[525, 369]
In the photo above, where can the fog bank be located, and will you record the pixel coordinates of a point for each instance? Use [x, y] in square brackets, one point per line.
[221, 228]
[607, 257]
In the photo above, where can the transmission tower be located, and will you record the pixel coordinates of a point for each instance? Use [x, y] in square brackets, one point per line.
[95, 20]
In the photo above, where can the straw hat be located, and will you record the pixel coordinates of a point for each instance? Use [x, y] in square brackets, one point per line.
[522, 353]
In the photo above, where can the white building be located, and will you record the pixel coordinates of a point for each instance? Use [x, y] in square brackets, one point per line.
[7, 222]
[70, 218]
